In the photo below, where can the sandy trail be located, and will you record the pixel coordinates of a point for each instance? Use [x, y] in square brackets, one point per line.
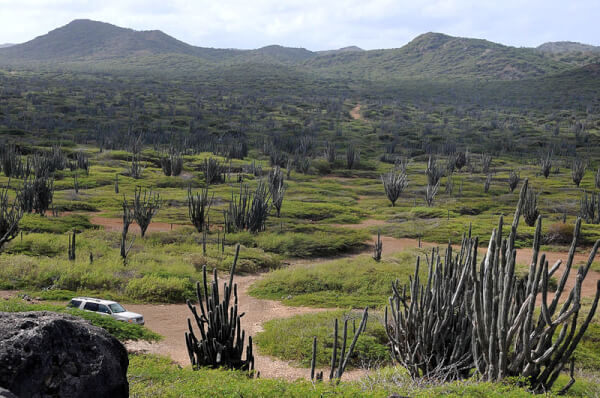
[355, 113]
[116, 224]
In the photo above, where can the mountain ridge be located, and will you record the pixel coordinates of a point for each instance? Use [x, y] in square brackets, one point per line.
[429, 55]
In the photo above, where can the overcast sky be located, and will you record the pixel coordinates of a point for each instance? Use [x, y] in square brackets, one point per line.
[316, 24]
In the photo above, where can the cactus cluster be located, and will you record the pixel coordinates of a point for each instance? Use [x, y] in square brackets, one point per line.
[394, 183]
[249, 211]
[504, 336]
[214, 171]
[198, 208]
[221, 338]
[589, 208]
[276, 188]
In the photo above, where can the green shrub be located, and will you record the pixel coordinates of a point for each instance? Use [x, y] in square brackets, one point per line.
[157, 288]
[356, 282]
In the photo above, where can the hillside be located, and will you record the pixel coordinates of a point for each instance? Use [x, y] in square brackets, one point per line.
[435, 55]
[91, 40]
[104, 47]
[567, 47]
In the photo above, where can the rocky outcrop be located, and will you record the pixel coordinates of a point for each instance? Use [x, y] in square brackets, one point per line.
[45, 354]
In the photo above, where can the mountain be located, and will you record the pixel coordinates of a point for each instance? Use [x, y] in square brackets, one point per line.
[86, 39]
[98, 46]
[436, 55]
[340, 50]
[6, 45]
[567, 47]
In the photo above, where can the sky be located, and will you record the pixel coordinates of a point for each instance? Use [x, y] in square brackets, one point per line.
[316, 24]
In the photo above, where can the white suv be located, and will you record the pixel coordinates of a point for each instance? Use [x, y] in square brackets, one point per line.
[106, 307]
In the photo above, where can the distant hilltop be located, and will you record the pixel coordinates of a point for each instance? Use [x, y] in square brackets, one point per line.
[428, 56]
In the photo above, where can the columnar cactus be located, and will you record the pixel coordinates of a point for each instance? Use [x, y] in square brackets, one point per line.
[198, 208]
[221, 339]
[504, 334]
[339, 366]
[578, 170]
[10, 215]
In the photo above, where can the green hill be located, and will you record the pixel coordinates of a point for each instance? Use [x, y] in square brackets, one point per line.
[104, 47]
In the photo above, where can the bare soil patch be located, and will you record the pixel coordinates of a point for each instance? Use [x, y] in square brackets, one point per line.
[355, 113]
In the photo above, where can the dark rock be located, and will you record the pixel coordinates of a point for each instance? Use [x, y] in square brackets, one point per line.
[45, 354]
[4, 393]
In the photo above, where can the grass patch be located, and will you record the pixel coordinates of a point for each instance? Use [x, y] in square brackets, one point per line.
[155, 376]
[320, 242]
[291, 338]
[356, 282]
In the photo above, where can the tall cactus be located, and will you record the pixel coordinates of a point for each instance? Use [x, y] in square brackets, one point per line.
[276, 188]
[513, 180]
[427, 323]
[546, 164]
[507, 336]
[10, 216]
[530, 209]
[338, 366]
[198, 208]
[508, 339]
[578, 170]
[71, 249]
[221, 340]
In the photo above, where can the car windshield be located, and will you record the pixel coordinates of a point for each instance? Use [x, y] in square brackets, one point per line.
[116, 308]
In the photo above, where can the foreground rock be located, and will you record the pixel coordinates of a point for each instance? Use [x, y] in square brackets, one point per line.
[45, 354]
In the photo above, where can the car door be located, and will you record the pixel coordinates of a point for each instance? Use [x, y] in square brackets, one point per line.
[91, 306]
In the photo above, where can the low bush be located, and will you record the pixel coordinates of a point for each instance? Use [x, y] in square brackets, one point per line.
[356, 282]
[559, 232]
[157, 288]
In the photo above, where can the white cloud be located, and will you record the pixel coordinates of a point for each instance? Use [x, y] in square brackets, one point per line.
[315, 24]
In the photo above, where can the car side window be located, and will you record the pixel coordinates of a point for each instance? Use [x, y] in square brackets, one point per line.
[104, 309]
[91, 306]
[74, 303]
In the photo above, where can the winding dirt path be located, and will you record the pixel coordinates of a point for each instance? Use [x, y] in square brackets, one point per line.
[355, 113]
[116, 224]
